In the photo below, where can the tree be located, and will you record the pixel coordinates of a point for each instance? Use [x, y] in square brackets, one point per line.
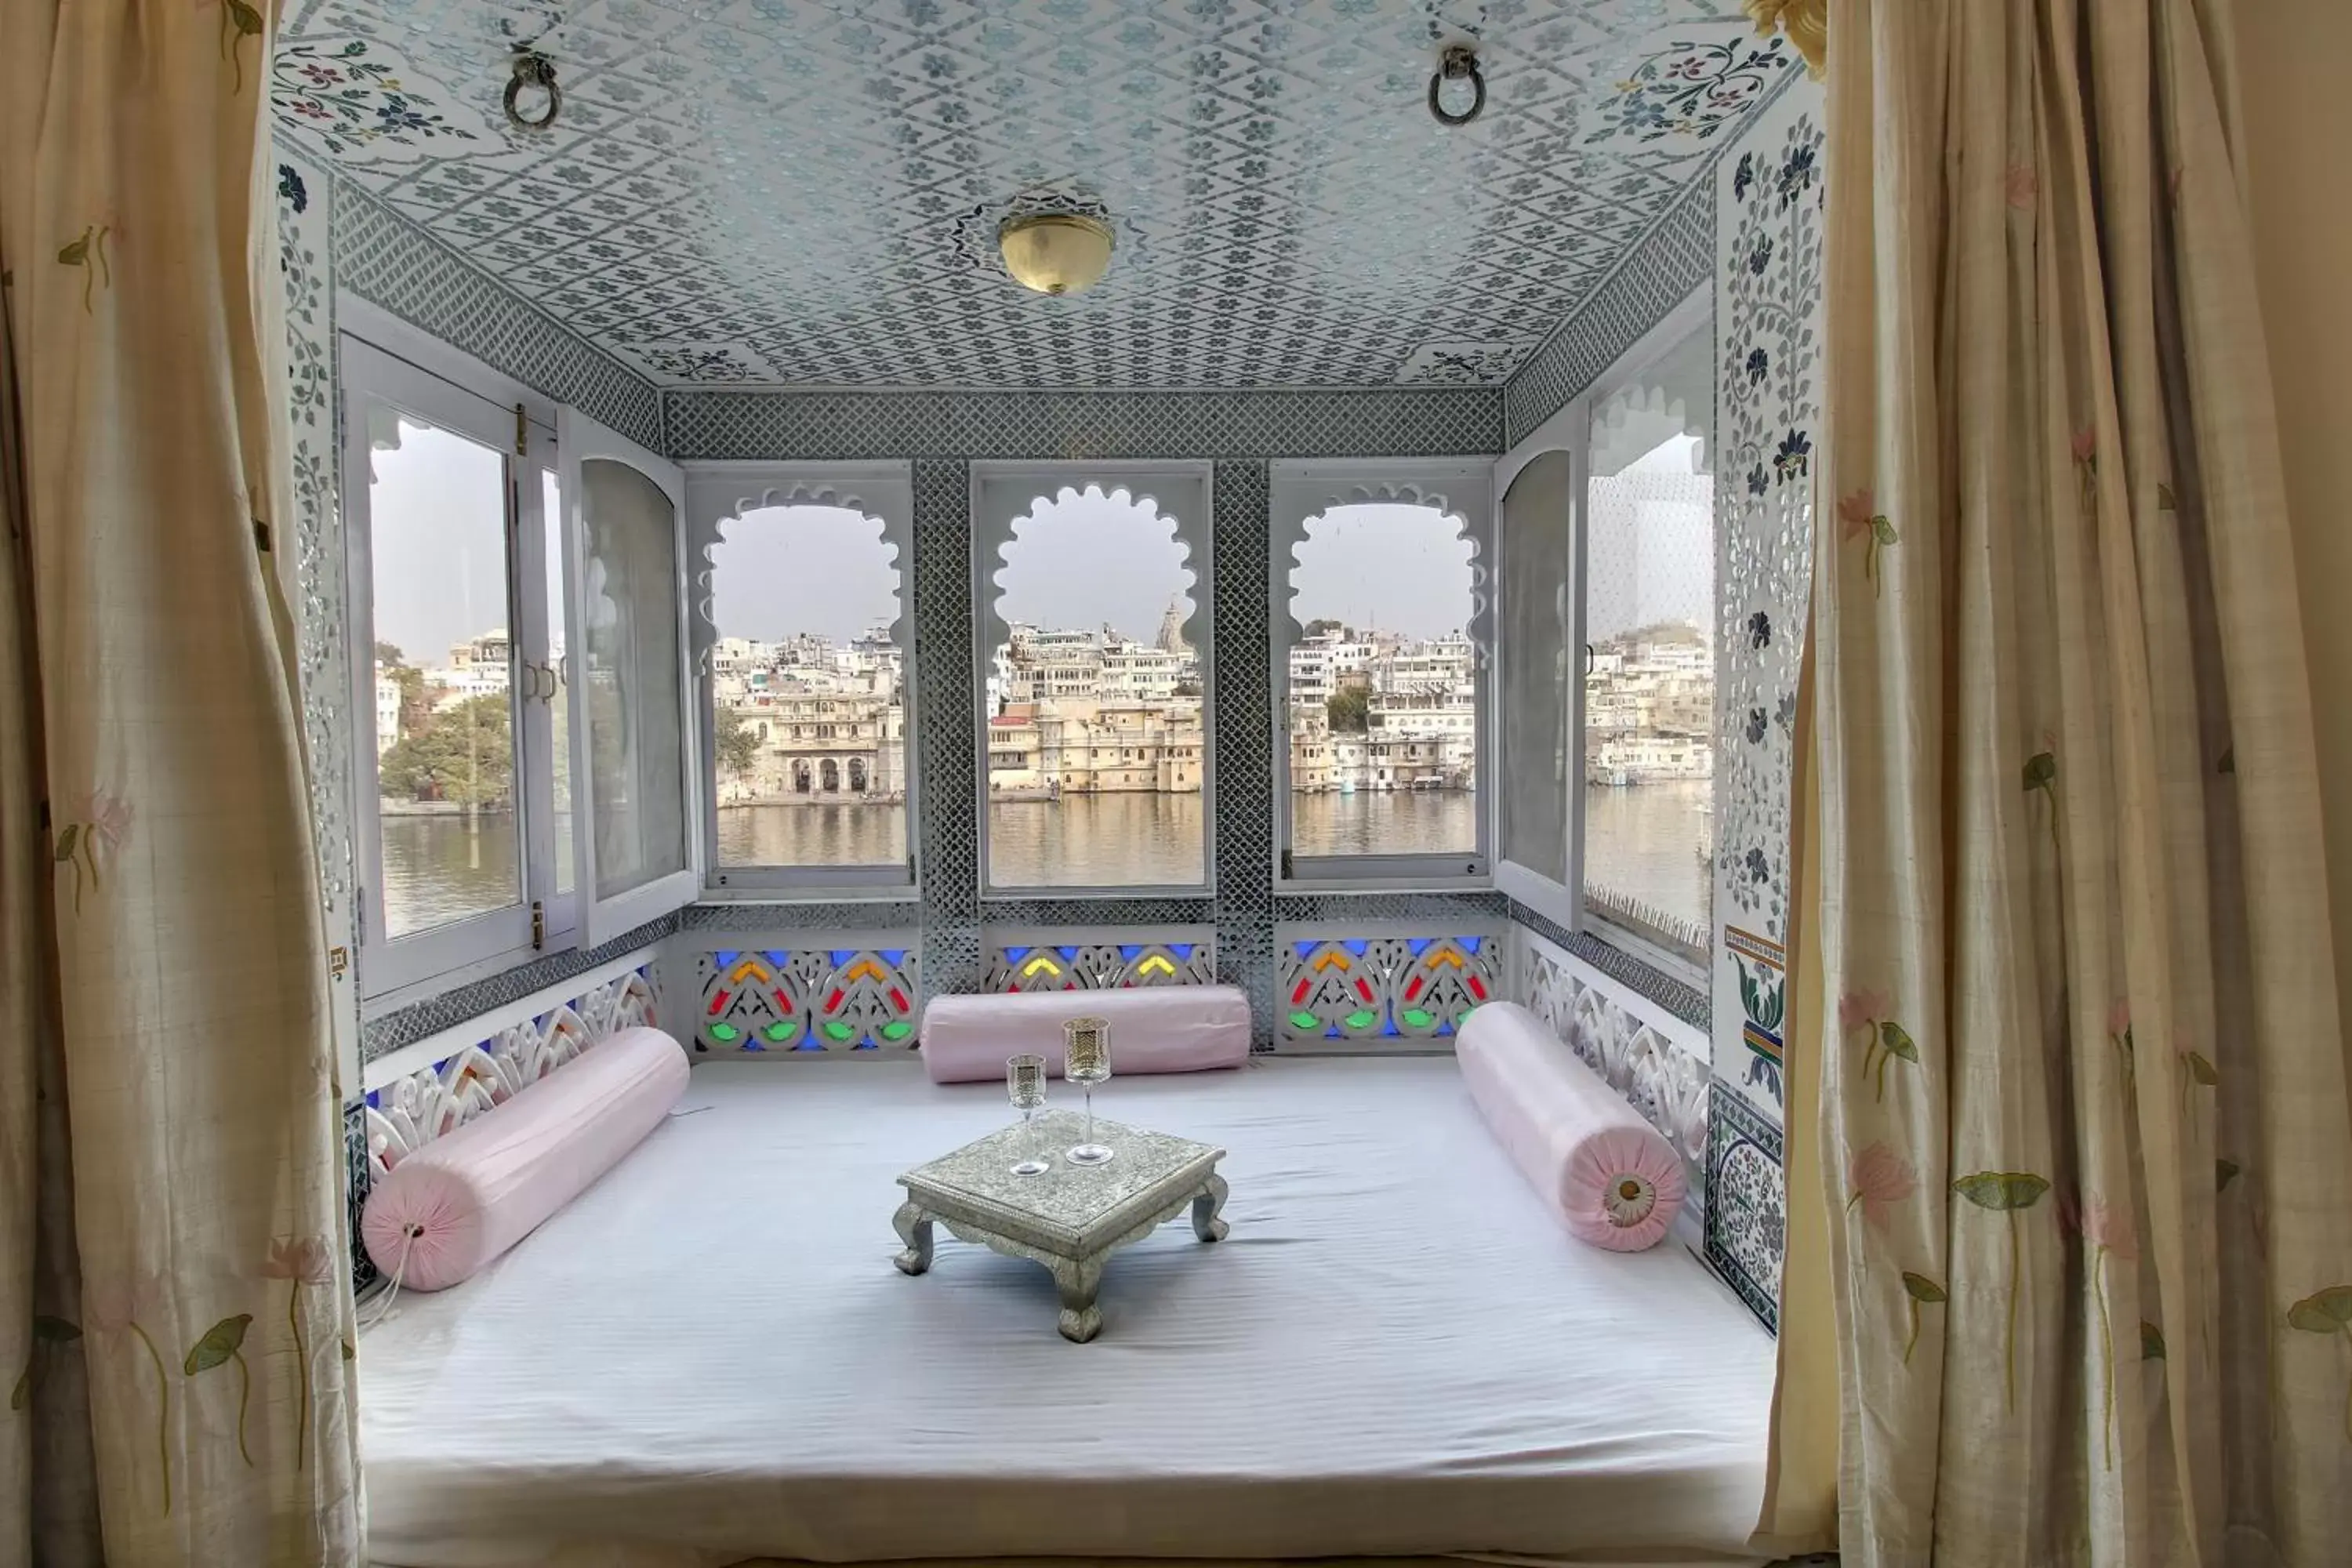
[1322, 624]
[736, 743]
[464, 755]
[1188, 689]
[388, 654]
[1350, 710]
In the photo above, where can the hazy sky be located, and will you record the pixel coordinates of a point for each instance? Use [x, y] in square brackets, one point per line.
[1082, 560]
[1650, 559]
[794, 569]
[437, 527]
[1397, 568]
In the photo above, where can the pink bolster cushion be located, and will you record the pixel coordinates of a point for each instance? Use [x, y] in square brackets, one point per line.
[456, 1204]
[1153, 1029]
[1614, 1177]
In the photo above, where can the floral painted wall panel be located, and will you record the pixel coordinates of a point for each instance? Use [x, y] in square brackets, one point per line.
[1769, 235]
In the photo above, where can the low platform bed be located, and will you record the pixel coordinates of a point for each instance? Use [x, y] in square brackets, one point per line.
[708, 1357]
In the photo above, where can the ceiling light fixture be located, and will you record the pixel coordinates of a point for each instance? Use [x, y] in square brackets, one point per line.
[1458, 61]
[1056, 253]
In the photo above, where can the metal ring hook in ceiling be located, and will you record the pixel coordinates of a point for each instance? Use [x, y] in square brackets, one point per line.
[1459, 60]
[532, 68]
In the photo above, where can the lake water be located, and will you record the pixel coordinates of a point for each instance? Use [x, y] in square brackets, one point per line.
[1642, 843]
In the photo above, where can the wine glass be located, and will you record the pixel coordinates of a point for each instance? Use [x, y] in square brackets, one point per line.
[1024, 1084]
[1086, 1061]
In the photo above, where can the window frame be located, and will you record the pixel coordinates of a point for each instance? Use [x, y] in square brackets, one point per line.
[721, 493]
[1570, 430]
[581, 440]
[383, 360]
[1305, 488]
[1002, 492]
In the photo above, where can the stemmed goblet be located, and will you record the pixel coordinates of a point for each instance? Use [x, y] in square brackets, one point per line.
[1025, 1085]
[1086, 1061]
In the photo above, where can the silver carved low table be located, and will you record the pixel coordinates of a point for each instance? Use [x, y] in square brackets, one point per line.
[1071, 1218]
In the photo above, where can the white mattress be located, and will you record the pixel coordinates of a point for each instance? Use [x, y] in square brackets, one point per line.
[709, 1356]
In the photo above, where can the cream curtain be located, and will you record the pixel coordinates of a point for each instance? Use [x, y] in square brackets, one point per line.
[175, 1320]
[2085, 1130]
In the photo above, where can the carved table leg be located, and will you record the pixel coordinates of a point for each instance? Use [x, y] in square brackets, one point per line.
[1206, 1208]
[1077, 1282]
[914, 1227]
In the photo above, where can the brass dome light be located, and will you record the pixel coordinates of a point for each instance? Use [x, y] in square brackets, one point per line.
[1056, 253]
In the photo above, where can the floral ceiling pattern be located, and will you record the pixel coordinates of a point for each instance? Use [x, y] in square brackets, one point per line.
[806, 193]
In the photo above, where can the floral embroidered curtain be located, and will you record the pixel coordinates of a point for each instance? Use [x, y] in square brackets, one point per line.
[2087, 1152]
[176, 1337]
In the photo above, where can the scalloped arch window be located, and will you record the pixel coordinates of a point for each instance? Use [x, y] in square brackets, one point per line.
[1094, 681]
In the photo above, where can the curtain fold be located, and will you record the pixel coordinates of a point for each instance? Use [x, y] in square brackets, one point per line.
[173, 1326]
[2087, 1143]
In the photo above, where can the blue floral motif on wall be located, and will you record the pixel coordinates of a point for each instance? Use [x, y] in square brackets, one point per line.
[1692, 89]
[348, 99]
[1794, 459]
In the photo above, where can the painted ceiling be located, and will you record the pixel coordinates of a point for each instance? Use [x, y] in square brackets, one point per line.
[806, 192]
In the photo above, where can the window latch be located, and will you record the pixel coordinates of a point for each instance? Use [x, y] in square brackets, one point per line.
[537, 925]
[522, 432]
[1287, 872]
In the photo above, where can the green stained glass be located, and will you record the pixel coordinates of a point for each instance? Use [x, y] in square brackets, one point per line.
[1363, 1018]
[1417, 1018]
[725, 1033]
[897, 1031]
[840, 1031]
[780, 1032]
[1305, 1020]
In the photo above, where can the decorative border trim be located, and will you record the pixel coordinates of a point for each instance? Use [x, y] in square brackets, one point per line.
[390, 261]
[741, 915]
[1679, 997]
[1655, 276]
[1099, 957]
[1078, 427]
[405, 1025]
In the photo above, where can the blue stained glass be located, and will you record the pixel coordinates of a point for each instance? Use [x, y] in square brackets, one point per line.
[808, 1045]
[1068, 953]
[1306, 948]
[779, 958]
[1389, 1028]
[1470, 942]
[1357, 946]
[1182, 949]
[894, 956]
[865, 1045]
[1418, 945]
[1132, 952]
[1444, 1028]
[841, 955]
[724, 959]
[751, 1043]
[1332, 1033]
[1015, 955]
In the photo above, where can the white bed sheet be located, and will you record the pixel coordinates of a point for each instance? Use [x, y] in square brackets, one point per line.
[708, 1357]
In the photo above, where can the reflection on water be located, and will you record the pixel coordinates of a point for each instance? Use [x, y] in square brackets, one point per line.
[442, 869]
[1098, 841]
[1404, 823]
[1643, 843]
[842, 833]
[1647, 842]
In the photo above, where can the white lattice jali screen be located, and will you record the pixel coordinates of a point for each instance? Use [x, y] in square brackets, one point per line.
[415, 1108]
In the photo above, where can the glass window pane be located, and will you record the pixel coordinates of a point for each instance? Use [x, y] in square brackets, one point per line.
[559, 709]
[1383, 712]
[1533, 588]
[443, 702]
[808, 690]
[1649, 701]
[633, 669]
[1096, 747]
